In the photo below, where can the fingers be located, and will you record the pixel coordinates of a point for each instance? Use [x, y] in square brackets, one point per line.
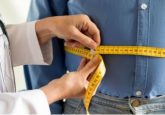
[70, 43]
[84, 39]
[94, 32]
[87, 26]
[80, 30]
[82, 63]
[74, 44]
[90, 66]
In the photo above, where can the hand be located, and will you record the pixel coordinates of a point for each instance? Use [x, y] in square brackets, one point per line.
[73, 84]
[76, 30]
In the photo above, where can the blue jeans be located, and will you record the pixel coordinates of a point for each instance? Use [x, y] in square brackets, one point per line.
[103, 104]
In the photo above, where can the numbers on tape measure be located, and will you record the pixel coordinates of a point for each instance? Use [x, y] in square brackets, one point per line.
[112, 50]
[94, 83]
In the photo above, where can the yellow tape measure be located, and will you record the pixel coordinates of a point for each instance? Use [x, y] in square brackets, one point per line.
[113, 50]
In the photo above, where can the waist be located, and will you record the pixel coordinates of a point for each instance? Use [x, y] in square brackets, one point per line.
[127, 75]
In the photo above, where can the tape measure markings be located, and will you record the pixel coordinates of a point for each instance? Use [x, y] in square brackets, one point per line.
[112, 50]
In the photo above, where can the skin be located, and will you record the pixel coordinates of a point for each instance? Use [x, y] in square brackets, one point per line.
[71, 85]
[77, 31]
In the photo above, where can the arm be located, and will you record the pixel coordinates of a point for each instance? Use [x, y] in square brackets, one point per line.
[24, 45]
[30, 42]
[36, 101]
[37, 76]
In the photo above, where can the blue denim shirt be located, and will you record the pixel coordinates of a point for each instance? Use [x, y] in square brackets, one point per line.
[121, 22]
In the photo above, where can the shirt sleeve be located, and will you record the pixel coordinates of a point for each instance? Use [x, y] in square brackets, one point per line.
[25, 48]
[25, 102]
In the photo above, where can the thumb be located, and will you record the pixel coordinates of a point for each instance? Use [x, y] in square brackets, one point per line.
[90, 66]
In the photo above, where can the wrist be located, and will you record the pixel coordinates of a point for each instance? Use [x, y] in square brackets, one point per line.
[54, 91]
[43, 31]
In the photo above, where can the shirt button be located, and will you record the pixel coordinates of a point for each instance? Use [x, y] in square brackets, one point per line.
[138, 93]
[144, 6]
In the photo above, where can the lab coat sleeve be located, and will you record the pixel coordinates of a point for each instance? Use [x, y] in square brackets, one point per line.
[24, 45]
[25, 102]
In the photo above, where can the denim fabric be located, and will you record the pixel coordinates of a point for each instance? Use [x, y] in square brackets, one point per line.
[127, 22]
[150, 106]
[103, 104]
[100, 104]
[121, 22]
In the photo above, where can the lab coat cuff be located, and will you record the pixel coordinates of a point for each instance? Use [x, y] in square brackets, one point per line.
[43, 53]
[25, 47]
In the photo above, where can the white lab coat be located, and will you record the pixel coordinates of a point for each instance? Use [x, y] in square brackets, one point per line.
[25, 49]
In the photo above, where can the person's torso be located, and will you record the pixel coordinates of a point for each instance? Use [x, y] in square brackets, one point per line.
[127, 22]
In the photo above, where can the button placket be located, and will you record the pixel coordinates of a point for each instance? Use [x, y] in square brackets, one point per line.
[142, 40]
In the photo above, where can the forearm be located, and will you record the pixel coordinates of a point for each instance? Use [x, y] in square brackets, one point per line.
[54, 91]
